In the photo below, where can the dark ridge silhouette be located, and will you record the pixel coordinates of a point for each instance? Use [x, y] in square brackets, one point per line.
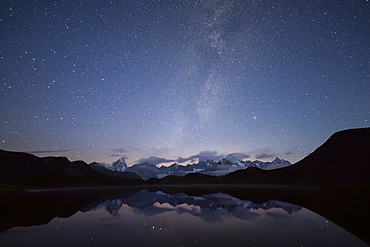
[344, 157]
[16, 164]
[27, 170]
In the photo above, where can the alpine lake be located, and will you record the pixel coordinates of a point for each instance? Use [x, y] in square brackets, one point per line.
[181, 216]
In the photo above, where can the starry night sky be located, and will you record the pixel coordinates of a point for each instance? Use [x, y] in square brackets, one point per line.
[98, 80]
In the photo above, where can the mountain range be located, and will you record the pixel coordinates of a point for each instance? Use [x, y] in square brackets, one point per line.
[213, 168]
[343, 158]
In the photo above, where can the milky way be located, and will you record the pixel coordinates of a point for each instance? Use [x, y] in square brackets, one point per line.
[99, 80]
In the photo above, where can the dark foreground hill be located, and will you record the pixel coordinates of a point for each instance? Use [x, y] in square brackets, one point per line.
[343, 158]
[23, 169]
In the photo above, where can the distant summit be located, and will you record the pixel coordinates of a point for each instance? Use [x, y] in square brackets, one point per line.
[120, 172]
[120, 165]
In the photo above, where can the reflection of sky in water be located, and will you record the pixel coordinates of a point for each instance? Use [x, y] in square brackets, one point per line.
[183, 224]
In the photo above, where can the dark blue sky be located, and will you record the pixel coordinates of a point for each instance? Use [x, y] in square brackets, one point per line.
[98, 80]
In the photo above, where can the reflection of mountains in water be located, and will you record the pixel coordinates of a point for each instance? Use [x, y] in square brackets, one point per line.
[347, 208]
[152, 203]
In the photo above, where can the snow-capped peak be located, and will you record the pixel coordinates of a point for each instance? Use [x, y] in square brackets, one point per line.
[232, 161]
[120, 165]
[277, 163]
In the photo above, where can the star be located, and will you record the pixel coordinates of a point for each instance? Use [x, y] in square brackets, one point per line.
[182, 76]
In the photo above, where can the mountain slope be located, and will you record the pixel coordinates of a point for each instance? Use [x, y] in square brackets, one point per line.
[114, 173]
[26, 170]
[342, 158]
[16, 164]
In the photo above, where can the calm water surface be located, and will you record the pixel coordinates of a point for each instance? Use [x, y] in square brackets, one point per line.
[160, 219]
